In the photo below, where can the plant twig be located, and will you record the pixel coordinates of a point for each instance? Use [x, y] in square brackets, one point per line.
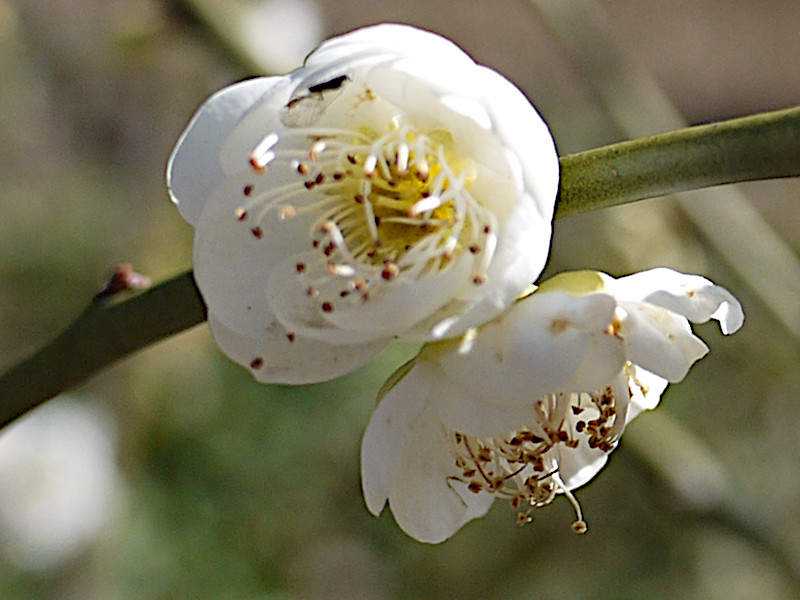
[101, 335]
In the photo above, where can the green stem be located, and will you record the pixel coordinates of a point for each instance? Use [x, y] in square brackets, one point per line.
[101, 335]
[762, 146]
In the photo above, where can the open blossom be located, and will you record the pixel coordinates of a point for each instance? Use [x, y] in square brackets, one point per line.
[531, 404]
[390, 187]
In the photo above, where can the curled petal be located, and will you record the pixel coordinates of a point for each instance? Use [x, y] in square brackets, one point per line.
[692, 296]
[660, 340]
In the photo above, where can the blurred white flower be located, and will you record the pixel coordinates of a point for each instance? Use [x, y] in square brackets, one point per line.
[278, 33]
[530, 405]
[58, 483]
[389, 188]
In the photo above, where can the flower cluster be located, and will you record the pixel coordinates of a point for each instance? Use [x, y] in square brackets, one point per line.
[393, 188]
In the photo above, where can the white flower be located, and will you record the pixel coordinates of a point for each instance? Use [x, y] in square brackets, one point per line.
[531, 404]
[59, 485]
[389, 188]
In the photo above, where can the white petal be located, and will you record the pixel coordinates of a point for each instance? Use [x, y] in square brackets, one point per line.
[384, 42]
[647, 390]
[524, 132]
[425, 502]
[545, 343]
[692, 296]
[193, 169]
[660, 340]
[232, 266]
[578, 466]
[387, 434]
[522, 250]
[466, 410]
[272, 357]
[392, 309]
[260, 121]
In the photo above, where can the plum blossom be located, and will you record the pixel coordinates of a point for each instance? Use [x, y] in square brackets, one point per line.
[391, 187]
[530, 405]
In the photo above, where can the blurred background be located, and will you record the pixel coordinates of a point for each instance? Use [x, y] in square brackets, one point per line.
[174, 475]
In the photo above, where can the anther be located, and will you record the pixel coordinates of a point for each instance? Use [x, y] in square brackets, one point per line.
[369, 165]
[479, 278]
[339, 270]
[290, 337]
[240, 214]
[401, 160]
[390, 271]
[423, 170]
[257, 232]
[316, 149]
[261, 155]
[580, 527]
[427, 203]
[301, 267]
[257, 363]
[303, 169]
[248, 189]
[287, 211]
[327, 307]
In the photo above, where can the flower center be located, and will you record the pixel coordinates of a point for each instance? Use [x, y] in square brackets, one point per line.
[523, 468]
[382, 206]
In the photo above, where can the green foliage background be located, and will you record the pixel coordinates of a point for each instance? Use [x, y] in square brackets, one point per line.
[241, 491]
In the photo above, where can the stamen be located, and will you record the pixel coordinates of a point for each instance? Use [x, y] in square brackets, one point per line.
[261, 155]
[523, 467]
[424, 205]
[401, 162]
[369, 165]
[287, 211]
[316, 149]
[379, 205]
